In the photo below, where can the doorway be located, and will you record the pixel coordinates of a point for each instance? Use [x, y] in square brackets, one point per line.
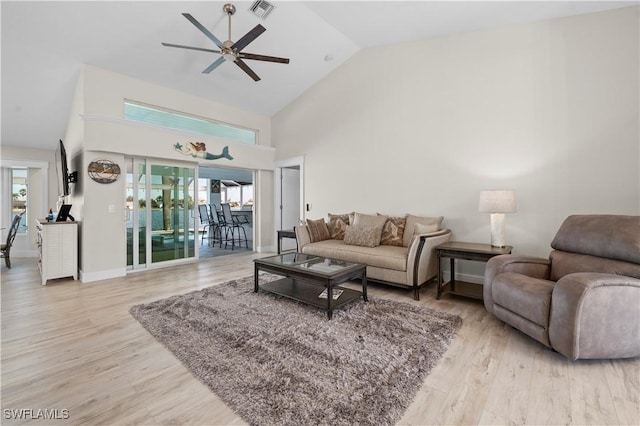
[289, 197]
[235, 187]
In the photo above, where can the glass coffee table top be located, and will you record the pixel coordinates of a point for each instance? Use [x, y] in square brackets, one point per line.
[308, 262]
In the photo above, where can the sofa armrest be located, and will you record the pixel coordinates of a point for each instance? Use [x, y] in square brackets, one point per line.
[535, 267]
[421, 261]
[595, 315]
[302, 236]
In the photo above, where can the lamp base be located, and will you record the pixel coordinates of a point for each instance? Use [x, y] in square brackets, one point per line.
[497, 230]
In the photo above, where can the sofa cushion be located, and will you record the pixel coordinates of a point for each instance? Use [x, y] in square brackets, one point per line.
[337, 225]
[528, 297]
[393, 231]
[365, 236]
[409, 228]
[388, 257]
[318, 230]
[361, 219]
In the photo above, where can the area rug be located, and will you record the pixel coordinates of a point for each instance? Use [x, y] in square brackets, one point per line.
[278, 362]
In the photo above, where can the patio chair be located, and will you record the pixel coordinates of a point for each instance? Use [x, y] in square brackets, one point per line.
[5, 248]
[233, 225]
[210, 227]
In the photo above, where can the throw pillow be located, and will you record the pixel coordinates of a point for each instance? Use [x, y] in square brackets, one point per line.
[393, 231]
[421, 228]
[337, 225]
[318, 230]
[361, 219]
[411, 223]
[364, 236]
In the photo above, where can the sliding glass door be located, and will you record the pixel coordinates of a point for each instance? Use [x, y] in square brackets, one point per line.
[160, 220]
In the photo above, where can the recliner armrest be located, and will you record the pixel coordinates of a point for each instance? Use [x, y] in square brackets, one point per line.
[535, 267]
[595, 315]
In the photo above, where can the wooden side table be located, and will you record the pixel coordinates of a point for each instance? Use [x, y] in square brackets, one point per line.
[286, 233]
[464, 251]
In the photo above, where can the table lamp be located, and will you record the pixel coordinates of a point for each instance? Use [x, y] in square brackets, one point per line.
[497, 203]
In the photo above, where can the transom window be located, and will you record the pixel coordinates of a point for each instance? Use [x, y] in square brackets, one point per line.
[182, 121]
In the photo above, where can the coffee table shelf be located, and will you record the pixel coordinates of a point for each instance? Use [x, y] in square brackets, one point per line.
[309, 294]
[308, 276]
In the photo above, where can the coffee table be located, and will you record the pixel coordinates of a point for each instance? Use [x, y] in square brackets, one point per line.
[313, 280]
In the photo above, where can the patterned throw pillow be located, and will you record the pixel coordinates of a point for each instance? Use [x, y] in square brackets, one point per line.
[337, 225]
[393, 231]
[365, 236]
[318, 230]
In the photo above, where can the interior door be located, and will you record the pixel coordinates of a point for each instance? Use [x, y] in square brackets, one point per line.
[290, 202]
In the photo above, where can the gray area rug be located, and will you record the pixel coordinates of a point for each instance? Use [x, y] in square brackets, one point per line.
[276, 361]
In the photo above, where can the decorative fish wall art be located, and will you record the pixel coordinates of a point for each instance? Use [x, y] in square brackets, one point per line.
[199, 150]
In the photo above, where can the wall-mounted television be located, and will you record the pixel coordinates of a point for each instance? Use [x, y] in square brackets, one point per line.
[64, 177]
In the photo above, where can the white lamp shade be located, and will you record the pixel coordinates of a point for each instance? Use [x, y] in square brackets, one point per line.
[502, 201]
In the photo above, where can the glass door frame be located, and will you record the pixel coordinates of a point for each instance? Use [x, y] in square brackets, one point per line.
[148, 263]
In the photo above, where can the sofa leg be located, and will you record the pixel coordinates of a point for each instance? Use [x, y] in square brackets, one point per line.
[416, 293]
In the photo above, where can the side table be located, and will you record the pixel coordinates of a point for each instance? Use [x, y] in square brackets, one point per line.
[286, 233]
[464, 251]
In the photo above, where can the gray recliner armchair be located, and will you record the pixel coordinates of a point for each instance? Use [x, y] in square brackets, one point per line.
[584, 301]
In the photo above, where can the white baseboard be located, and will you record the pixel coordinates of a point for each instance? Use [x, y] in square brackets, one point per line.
[464, 277]
[102, 275]
[266, 249]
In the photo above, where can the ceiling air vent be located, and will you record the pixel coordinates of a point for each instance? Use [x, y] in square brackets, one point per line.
[261, 8]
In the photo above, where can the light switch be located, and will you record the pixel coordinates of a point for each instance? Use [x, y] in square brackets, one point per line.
[112, 208]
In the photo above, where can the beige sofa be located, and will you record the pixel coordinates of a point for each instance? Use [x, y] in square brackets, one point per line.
[410, 263]
[584, 300]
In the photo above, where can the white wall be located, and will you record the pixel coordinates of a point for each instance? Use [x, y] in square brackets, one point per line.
[548, 109]
[97, 130]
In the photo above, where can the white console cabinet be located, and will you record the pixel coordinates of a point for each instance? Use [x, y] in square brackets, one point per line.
[58, 250]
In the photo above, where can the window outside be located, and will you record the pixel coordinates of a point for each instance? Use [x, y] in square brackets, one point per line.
[19, 196]
[182, 121]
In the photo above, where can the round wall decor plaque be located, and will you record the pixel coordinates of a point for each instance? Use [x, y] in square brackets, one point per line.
[103, 171]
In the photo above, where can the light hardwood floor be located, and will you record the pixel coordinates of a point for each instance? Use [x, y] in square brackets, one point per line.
[75, 346]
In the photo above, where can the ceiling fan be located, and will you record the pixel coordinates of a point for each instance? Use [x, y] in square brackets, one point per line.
[229, 50]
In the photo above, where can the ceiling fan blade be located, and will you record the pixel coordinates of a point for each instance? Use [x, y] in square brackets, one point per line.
[203, 29]
[246, 69]
[214, 65]
[248, 37]
[190, 47]
[263, 58]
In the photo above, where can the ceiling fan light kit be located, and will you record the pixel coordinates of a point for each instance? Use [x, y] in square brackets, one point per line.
[230, 51]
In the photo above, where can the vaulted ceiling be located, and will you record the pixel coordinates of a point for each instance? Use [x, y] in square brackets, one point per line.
[44, 45]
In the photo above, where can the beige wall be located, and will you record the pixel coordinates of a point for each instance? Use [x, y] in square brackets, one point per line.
[548, 109]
